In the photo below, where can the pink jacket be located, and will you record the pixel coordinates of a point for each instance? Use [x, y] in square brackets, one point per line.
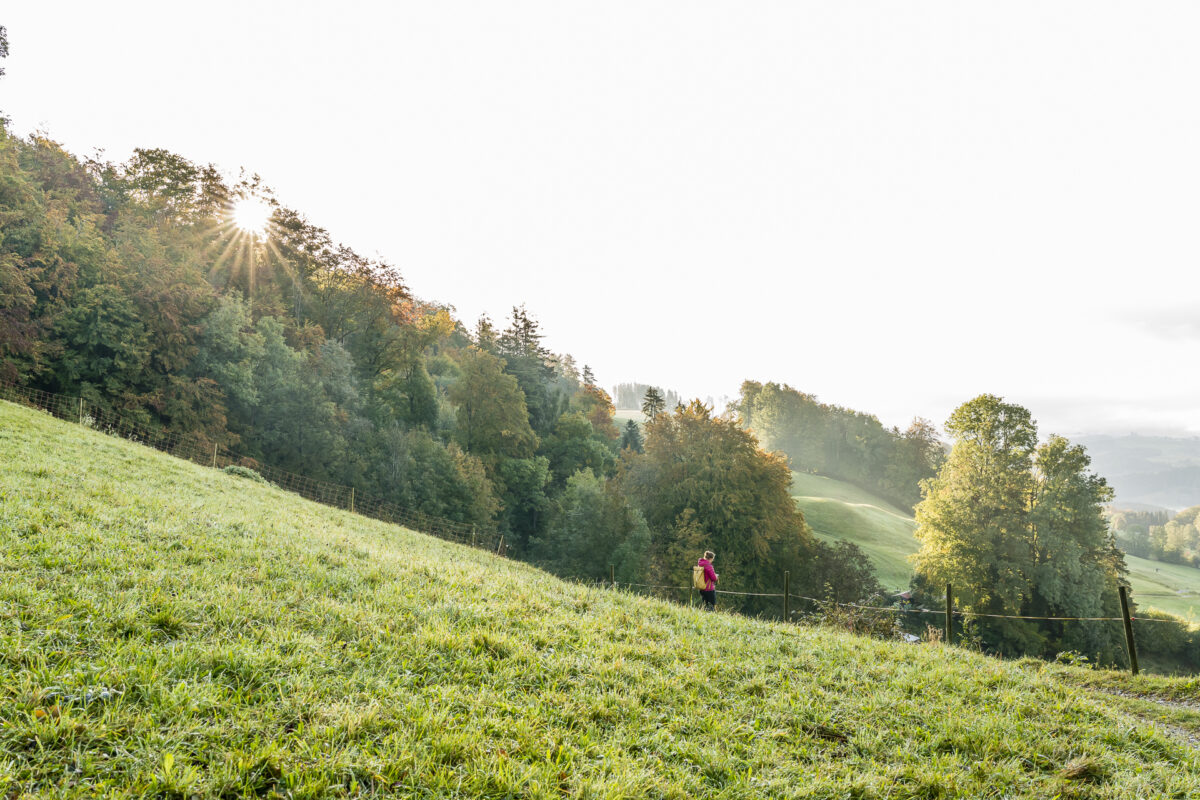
[710, 574]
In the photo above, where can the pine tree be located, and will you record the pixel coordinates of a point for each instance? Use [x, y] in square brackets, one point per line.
[631, 437]
[653, 403]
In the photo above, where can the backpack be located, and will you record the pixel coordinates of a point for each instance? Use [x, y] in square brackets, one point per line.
[699, 581]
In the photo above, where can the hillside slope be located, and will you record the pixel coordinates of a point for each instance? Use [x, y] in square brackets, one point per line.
[838, 510]
[172, 631]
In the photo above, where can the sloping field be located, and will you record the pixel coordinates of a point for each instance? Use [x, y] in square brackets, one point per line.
[1173, 588]
[838, 510]
[171, 631]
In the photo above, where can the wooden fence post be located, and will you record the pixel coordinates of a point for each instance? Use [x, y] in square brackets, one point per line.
[500, 546]
[473, 532]
[949, 616]
[351, 499]
[81, 411]
[214, 455]
[612, 576]
[1133, 663]
[787, 595]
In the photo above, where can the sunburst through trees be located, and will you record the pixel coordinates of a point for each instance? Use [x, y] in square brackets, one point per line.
[245, 237]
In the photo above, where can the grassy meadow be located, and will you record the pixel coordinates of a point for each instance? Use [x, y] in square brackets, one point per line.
[1154, 579]
[838, 510]
[172, 631]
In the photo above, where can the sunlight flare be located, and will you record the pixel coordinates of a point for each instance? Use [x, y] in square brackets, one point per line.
[252, 215]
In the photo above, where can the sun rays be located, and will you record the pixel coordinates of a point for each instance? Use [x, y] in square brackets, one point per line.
[252, 215]
[245, 237]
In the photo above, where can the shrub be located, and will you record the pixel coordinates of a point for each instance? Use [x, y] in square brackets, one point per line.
[245, 472]
[877, 621]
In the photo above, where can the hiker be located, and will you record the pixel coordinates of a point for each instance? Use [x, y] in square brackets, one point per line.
[709, 592]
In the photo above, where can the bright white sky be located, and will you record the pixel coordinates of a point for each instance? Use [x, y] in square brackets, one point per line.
[895, 206]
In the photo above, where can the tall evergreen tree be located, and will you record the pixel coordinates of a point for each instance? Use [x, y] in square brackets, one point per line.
[631, 437]
[653, 403]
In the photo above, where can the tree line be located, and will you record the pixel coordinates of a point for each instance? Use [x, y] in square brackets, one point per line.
[127, 284]
[1159, 535]
[842, 443]
[631, 396]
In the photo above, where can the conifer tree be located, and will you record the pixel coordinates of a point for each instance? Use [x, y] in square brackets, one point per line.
[653, 403]
[631, 437]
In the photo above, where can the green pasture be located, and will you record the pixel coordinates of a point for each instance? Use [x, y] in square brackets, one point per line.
[1151, 580]
[838, 510]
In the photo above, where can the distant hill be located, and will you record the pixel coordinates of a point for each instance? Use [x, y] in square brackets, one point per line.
[1147, 471]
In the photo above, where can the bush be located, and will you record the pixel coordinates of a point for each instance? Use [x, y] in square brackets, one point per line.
[878, 621]
[245, 472]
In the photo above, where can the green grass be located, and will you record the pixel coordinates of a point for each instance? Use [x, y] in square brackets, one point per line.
[838, 510]
[172, 631]
[1151, 578]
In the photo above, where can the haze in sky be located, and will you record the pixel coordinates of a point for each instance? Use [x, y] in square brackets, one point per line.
[893, 206]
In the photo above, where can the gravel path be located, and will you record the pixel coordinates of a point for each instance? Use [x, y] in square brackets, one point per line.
[1190, 736]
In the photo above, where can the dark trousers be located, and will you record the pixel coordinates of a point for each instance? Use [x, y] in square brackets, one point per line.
[710, 599]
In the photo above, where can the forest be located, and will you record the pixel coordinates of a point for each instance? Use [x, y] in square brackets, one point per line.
[132, 285]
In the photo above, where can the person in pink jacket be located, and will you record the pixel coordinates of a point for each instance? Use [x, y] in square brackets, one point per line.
[709, 592]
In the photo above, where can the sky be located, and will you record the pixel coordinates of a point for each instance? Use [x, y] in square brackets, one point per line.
[893, 206]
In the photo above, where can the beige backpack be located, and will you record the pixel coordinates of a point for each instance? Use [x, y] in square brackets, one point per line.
[698, 579]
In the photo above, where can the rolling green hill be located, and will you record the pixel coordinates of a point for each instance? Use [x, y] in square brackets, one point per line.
[172, 631]
[838, 510]
[1151, 580]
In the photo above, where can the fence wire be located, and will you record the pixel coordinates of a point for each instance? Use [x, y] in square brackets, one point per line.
[958, 613]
